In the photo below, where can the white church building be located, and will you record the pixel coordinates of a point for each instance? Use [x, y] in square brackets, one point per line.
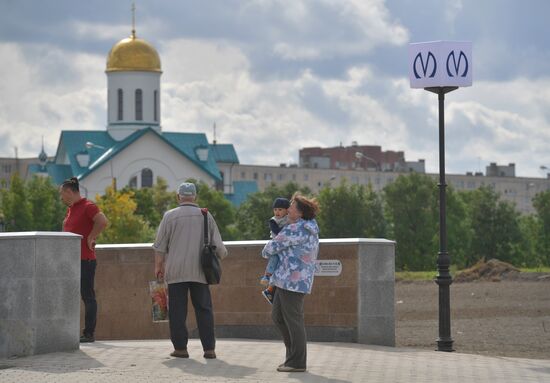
[133, 150]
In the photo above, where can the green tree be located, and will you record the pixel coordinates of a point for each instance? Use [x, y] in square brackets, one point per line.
[495, 227]
[541, 203]
[221, 209]
[459, 231]
[411, 207]
[46, 207]
[153, 202]
[254, 213]
[16, 206]
[350, 211]
[531, 254]
[124, 225]
[163, 199]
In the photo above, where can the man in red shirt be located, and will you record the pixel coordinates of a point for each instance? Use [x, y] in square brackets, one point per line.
[84, 218]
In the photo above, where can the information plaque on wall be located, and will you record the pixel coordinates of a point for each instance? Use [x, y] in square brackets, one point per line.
[328, 268]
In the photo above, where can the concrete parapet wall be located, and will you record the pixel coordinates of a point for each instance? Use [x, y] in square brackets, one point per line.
[355, 306]
[39, 292]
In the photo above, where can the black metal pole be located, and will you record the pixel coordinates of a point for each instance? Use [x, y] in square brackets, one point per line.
[443, 279]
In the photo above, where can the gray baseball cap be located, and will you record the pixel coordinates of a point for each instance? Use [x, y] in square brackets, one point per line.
[187, 189]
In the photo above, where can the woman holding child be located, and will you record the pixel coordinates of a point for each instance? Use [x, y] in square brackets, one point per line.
[296, 246]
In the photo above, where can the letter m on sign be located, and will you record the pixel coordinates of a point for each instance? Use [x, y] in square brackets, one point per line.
[430, 59]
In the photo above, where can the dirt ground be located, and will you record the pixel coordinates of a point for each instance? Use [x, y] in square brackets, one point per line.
[504, 318]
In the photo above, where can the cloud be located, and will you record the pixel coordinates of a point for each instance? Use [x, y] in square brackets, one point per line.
[503, 122]
[45, 92]
[277, 75]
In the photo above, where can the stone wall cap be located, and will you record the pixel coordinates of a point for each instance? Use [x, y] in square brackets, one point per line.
[351, 241]
[38, 234]
[325, 242]
[135, 246]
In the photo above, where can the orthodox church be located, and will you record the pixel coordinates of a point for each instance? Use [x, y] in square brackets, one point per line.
[133, 150]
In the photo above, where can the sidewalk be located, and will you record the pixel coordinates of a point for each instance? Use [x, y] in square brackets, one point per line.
[256, 361]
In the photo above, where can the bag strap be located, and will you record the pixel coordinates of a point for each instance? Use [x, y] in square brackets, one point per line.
[204, 212]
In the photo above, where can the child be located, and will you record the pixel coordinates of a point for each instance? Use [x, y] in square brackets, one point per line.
[276, 223]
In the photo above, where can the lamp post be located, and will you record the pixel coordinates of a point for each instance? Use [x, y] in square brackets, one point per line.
[443, 279]
[441, 67]
[544, 168]
[328, 183]
[90, 145]
[360, 155]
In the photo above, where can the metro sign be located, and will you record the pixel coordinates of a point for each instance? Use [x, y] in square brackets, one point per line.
[440, 64]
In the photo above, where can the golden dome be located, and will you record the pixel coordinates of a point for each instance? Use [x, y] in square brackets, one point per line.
[133, 54]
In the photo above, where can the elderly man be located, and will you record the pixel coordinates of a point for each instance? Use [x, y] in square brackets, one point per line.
[178, 247]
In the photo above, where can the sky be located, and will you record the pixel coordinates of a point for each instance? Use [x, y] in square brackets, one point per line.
[277, 76]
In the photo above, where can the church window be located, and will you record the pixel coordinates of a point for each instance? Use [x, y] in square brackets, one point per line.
[133, 182]
[155, 105]
[219, 184]
[139, 105]
[146, 178]
[120, 116]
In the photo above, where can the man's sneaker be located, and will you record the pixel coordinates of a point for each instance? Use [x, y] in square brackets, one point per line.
[87, 339]
[264, 281]
[180, 353]
[209, 354]
[268, 296]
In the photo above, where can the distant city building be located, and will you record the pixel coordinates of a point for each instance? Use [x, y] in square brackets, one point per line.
[494, 170]
[357, 157]
[11, 165]
[250, 178]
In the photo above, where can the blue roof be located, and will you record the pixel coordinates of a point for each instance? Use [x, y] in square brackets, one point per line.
[241, 190]
[58, 173]
[187, 143]
[224, 153]
[72, 143]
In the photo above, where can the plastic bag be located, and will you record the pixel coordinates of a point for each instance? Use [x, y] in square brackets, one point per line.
[159, 300]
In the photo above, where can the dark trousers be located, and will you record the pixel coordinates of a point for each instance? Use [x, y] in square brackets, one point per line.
[87, 293]
[177, 314]
[287, 313]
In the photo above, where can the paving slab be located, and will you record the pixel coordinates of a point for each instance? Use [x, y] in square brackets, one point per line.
[256, 361]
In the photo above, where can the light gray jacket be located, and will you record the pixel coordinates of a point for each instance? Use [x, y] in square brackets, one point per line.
[180, 238]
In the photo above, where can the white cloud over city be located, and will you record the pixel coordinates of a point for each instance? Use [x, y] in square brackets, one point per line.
[276, 76]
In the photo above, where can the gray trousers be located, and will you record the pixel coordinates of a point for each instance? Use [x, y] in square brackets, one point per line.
[287, 313]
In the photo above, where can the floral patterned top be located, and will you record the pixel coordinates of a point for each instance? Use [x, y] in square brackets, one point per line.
[297, 246]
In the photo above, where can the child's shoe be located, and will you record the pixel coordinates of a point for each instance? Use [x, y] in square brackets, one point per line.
[268, 295]
[264, 281]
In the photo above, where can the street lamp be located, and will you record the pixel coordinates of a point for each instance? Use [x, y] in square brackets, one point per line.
[360, 155]
[90, 145]
[545, 169]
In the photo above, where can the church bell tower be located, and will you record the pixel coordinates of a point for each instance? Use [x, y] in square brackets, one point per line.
[133, 86]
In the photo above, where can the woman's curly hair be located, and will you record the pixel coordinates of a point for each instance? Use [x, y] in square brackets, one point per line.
[309, 207]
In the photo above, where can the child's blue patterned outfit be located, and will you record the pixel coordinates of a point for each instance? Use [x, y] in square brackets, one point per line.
[296, 247]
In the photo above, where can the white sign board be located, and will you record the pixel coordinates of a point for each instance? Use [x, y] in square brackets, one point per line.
[328, 268]
[440, 63]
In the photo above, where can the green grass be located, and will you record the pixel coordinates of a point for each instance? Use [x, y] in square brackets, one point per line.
[430, 275]
[540, 269]
[421, 275]
[415, 275]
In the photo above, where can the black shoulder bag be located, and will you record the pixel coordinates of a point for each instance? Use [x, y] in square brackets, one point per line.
[210, 262]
